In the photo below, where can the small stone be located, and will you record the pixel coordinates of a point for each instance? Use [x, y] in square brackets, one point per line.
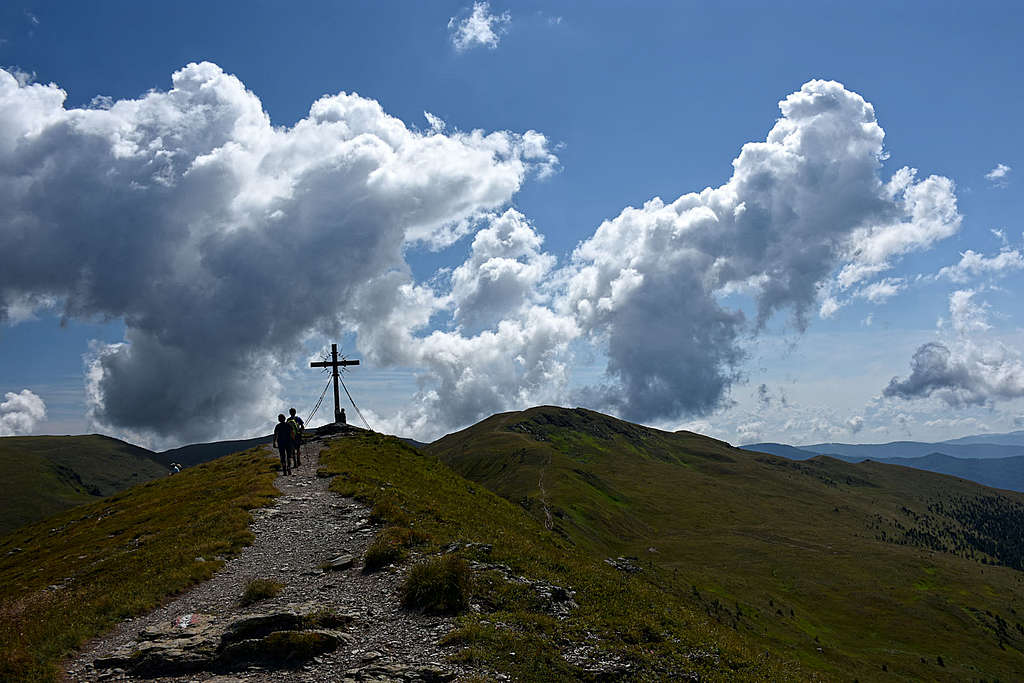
[340, 562]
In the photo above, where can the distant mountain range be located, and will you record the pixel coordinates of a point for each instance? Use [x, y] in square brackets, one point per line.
[995, 460]
[1008, 439]
[915, 449]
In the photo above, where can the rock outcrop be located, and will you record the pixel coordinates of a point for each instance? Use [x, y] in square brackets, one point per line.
[203, 642]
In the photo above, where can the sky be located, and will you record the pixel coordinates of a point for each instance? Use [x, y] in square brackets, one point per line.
[796, 222]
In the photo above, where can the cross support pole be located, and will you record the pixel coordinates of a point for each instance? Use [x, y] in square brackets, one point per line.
[334, 364]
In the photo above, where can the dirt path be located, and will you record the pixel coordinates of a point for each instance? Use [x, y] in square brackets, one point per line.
[549, 521]
[307, 526]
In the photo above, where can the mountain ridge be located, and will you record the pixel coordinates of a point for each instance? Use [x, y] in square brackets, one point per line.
[47, 474]
[786, 542]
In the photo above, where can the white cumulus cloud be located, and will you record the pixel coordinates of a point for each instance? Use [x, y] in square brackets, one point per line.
[883, 290]
[973, 264]
[800, 206]
[19, 413]
[999, 175]
[478, 28]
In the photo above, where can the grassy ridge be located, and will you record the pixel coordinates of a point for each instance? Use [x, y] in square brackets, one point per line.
[632, 618]
[71, 577]
[44, 475]
[860, 570]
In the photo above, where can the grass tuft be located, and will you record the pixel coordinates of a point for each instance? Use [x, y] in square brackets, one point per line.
[260, 589]
[389, 546]
[388, 511]
[441, 585]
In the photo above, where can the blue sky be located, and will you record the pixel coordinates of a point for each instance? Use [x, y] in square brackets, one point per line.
[630, 103]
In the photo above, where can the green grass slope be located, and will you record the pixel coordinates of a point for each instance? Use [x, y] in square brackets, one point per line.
[44, 475]
[68, 578]
[853, 570]
[645, 621]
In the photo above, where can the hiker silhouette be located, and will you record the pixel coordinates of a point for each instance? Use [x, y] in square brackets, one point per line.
[284, 443]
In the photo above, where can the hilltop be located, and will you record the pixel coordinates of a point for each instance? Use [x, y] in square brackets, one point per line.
[43, 475]
[194, 454]
[848, 567]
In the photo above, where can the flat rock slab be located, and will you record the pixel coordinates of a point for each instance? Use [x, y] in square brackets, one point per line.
[397, 673]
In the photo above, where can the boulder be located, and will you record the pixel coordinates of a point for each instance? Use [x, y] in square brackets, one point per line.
[282, 647]
[258, 625]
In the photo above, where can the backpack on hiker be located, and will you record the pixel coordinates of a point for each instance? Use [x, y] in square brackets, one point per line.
[297, 429]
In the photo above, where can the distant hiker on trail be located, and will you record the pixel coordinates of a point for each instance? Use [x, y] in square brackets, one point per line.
[297, 426]
[283, 443]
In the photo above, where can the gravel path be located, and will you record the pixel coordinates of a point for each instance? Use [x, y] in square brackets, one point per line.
[307, 526]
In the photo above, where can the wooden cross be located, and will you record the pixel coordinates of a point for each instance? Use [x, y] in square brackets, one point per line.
[334, 364]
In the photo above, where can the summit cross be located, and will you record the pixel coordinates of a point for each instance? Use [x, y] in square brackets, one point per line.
[334, 364]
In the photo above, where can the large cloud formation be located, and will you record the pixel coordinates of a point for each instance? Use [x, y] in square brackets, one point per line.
[223, 241]
[962, 371]
[799, 206]
[220, 239]
[19, 413]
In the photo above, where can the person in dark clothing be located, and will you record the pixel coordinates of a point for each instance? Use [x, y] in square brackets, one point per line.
[297, 443]
[283, 443]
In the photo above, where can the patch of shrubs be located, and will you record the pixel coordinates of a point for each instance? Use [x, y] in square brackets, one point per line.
[441, 585]
[260, 589]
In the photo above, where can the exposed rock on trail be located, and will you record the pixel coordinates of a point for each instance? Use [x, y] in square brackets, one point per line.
[330, 622]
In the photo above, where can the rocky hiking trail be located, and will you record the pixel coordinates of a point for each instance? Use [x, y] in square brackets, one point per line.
[325, 625]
